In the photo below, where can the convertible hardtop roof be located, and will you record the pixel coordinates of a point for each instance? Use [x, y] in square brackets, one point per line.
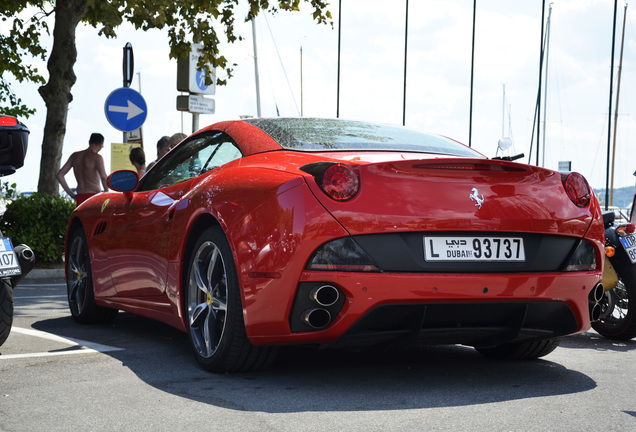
[324, 135]
[319, 135]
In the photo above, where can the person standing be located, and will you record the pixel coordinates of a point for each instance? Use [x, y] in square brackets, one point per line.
[176, 139]
[163, 146]
[89, 171]
[138, 160]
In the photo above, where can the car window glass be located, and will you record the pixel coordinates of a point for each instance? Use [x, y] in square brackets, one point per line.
[191, 159]
[225, 152]
[307, 134]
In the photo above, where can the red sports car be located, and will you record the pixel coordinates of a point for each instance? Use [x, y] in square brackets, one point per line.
[258, 233]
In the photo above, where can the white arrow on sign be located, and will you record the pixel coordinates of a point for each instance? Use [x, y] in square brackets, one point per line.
[132, 110]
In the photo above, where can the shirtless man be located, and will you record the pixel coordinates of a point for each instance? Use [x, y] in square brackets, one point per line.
[88, 168]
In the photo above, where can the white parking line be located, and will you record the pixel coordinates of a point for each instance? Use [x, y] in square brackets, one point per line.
[83, 347]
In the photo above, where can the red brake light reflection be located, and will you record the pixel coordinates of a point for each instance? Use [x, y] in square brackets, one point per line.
[8, 121]
[577, 189]
[340, 182]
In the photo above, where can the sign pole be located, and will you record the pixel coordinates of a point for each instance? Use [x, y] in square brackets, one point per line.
[195, 122]
[128, 66]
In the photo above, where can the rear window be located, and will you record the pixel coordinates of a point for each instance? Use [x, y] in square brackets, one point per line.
[309, 134]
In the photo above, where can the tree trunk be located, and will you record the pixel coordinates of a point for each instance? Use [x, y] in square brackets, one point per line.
[56, 93]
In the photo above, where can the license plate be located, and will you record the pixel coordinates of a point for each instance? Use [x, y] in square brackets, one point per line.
[629, 243]
[9, 265]
[506, 249]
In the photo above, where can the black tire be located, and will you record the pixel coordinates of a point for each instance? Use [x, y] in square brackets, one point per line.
[6, 310]
[618, 305]
[79, 283]
[527, 350]
[214, 311]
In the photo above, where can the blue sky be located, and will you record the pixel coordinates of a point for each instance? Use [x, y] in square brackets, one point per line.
[372, 78]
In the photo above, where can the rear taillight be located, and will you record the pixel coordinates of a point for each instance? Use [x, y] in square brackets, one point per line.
[577, 189]
[8, 121]
[340, 182]
[624, 230]
[343, 254]
[583, 258]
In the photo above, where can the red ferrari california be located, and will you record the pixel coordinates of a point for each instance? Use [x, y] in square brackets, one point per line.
[258, 233]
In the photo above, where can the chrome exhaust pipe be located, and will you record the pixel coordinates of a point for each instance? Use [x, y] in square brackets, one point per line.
[26, 259]
[598, 292]
[316, 318]
[595, 312]
[325, 295]
[595, 296]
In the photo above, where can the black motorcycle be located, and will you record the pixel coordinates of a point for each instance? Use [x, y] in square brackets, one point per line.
[15, 262]
[617, 312]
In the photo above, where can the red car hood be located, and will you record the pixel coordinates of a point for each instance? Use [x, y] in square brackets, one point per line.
[458, 195]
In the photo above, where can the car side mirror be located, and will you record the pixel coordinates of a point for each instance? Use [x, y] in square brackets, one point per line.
[123, 181]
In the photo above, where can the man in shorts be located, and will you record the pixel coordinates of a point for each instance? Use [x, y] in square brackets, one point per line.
[89, 171]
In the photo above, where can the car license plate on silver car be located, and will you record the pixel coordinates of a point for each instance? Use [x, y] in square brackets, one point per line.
[474, 249]
[9, 265]
[629, 243]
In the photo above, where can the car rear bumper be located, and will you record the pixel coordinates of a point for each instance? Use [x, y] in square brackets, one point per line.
[483, 324]
[475, 309]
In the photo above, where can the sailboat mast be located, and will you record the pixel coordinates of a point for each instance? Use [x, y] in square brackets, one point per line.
[472, 73]
[301, 80]
[258, 88]
[618, 90]
[545, 88]
[538, 106]
[503, 113]
[609, 116]
[406, 38]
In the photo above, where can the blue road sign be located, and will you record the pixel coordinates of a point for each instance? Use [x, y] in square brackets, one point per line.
[125, 109]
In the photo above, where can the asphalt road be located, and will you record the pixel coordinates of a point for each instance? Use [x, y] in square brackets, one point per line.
[139, 375]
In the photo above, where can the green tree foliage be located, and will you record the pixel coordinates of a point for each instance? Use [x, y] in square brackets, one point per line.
[187, 21]
[201, 21]
[21, 40]
[621, 197]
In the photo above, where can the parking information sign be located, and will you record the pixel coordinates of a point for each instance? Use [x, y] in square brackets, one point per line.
[190, 79]
[125, 109]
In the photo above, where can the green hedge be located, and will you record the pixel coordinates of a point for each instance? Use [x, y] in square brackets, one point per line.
[39, 221]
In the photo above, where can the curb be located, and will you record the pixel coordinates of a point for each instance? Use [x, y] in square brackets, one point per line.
[45, 274]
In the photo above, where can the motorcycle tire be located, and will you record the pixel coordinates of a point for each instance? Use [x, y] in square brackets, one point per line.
[618, 305]
[6, 310]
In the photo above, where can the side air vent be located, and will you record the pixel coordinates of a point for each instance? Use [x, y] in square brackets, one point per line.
[99, 228]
